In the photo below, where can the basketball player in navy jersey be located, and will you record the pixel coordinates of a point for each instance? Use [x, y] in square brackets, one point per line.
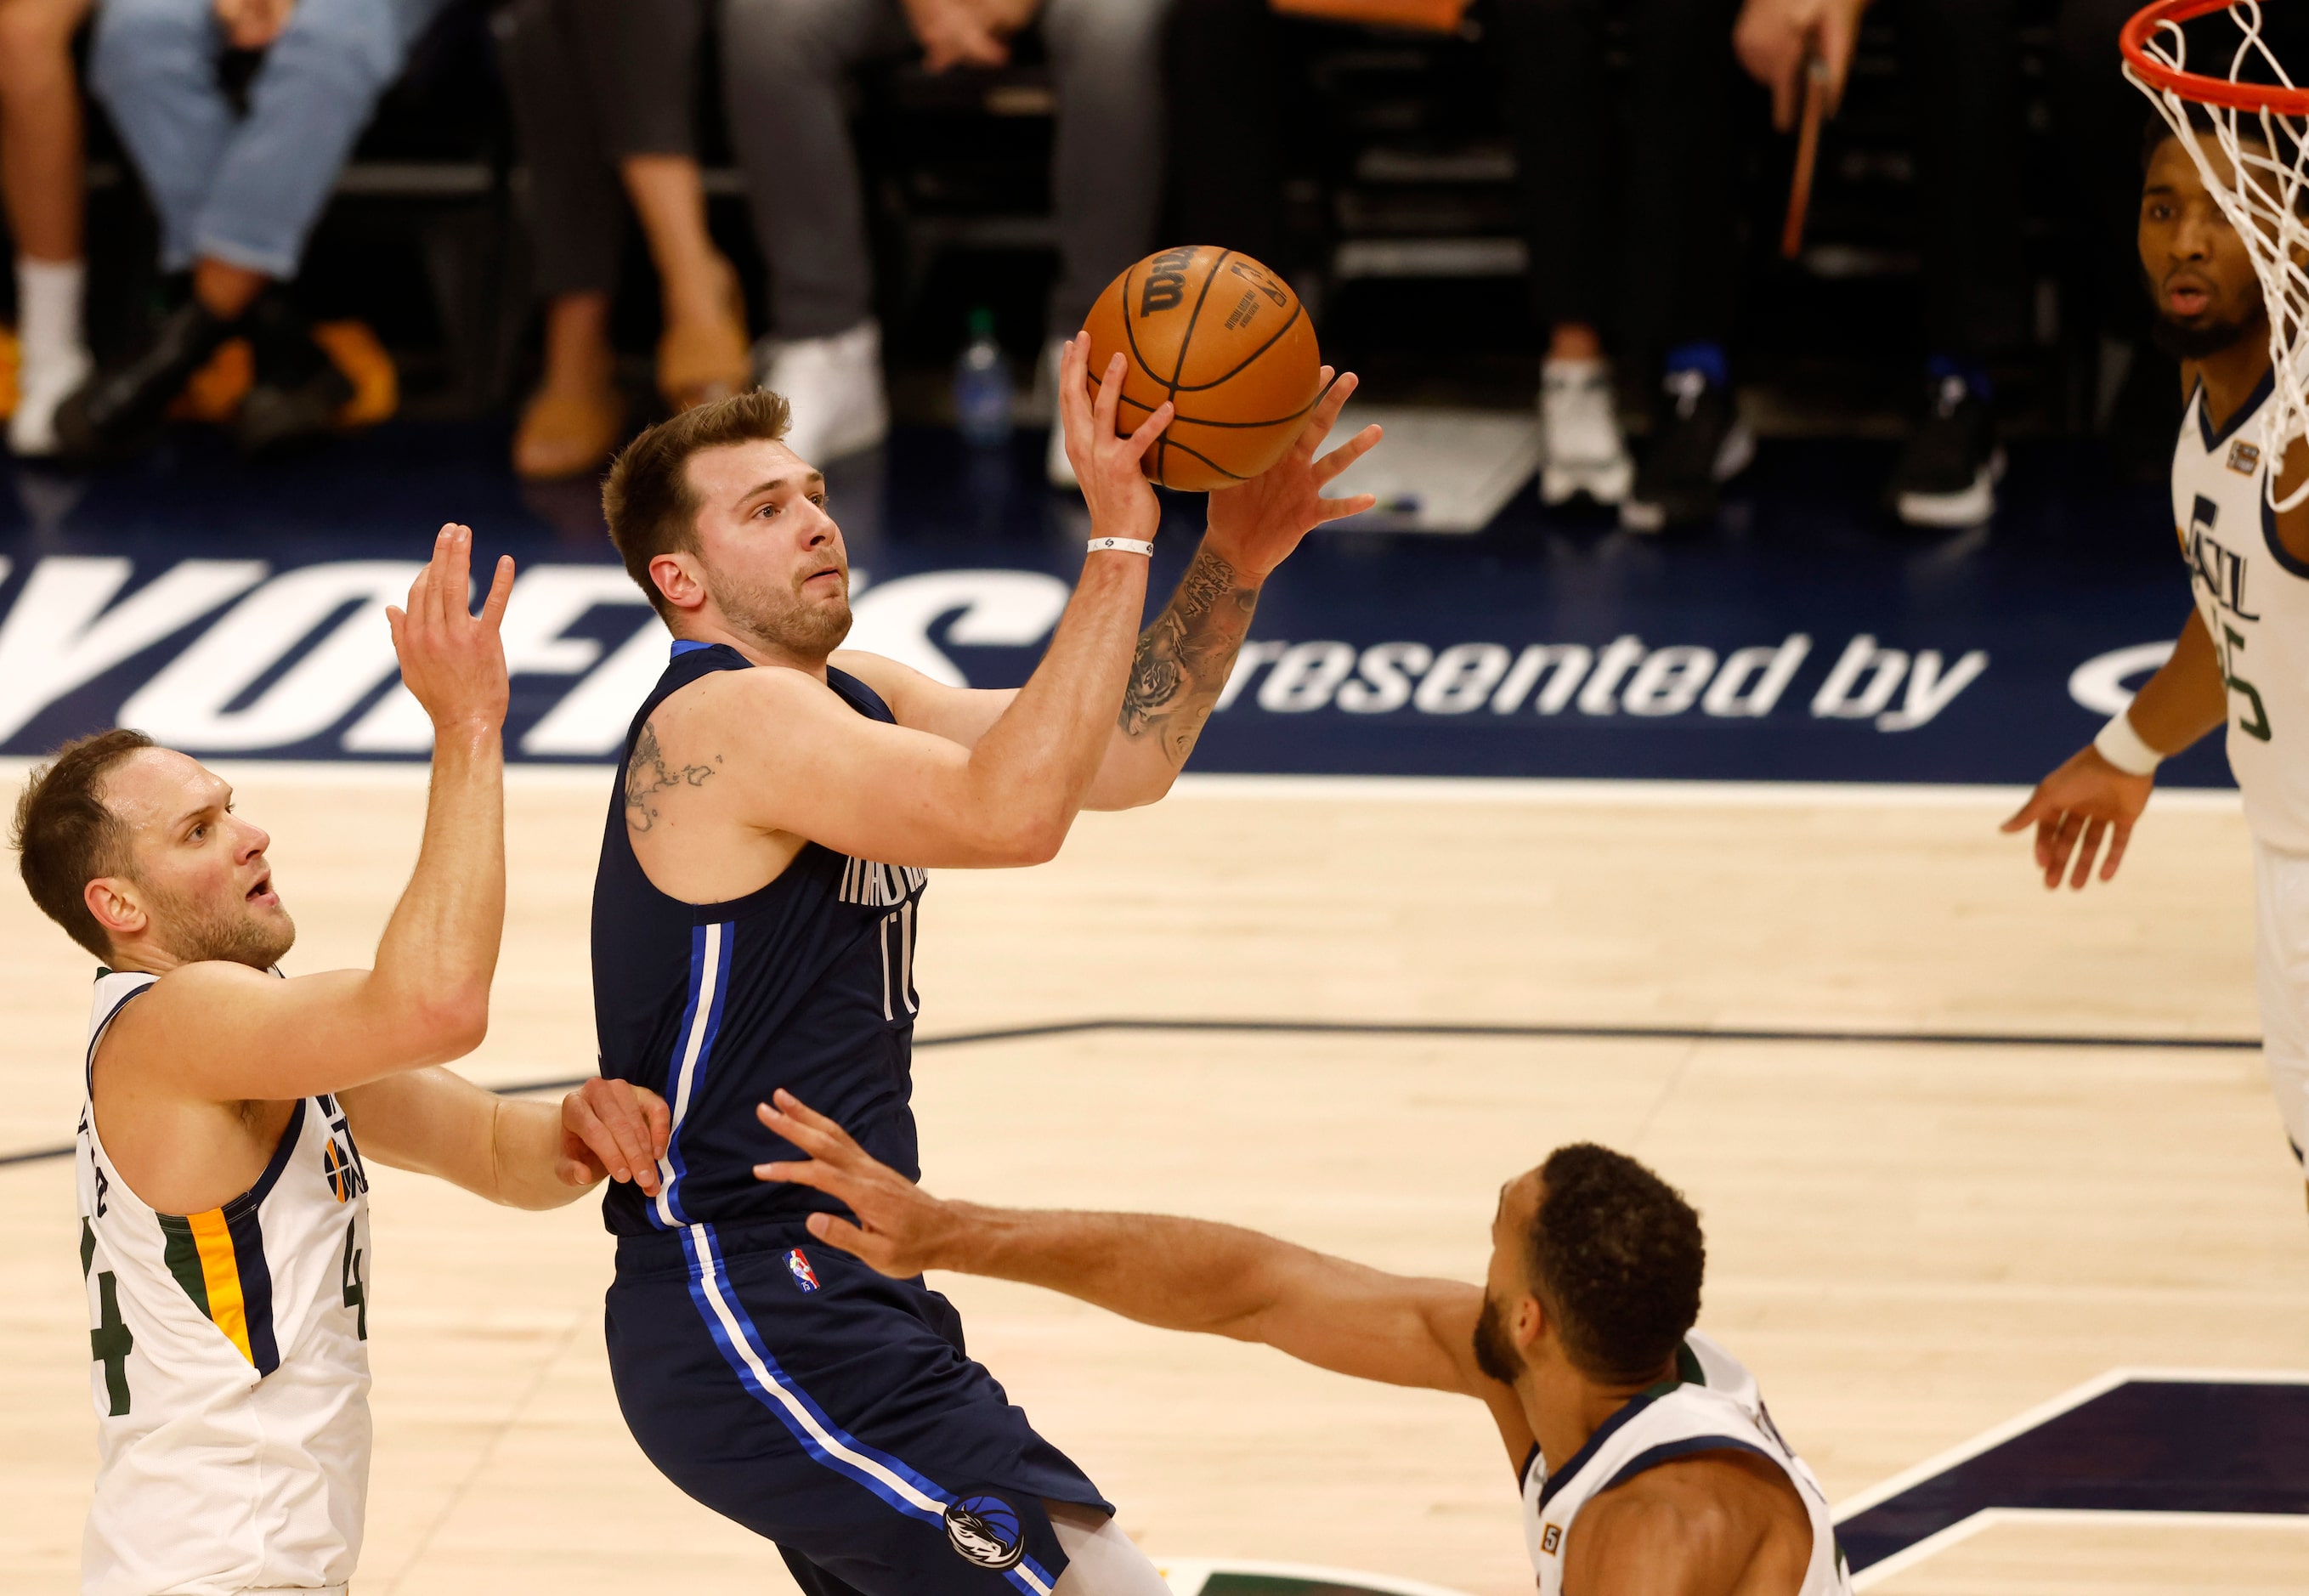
[754, 923]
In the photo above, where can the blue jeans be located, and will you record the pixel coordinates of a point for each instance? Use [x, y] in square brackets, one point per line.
[244, 189]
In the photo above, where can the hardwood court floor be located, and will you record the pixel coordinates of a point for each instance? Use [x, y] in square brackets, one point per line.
[1910, 1243]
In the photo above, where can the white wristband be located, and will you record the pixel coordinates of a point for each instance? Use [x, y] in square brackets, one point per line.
[2123, 747]
[1123, 546]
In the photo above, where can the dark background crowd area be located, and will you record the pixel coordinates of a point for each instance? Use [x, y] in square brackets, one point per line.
[1399, 210]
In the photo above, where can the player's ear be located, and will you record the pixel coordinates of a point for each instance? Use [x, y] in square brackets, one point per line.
[680, 578]
[1529, 1322]
[117, 905]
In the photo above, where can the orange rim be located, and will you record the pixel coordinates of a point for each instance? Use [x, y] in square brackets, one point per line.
[2191, 85]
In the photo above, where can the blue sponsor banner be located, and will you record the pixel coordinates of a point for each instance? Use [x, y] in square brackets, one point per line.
[232, 612]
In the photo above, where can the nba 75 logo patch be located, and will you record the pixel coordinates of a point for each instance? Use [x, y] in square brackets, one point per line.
[804, 1277]
[2245, 458]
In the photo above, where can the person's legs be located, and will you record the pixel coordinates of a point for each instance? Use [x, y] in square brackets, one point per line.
[1681, 277]
[1566, 144]
[154, 66]
[783, 63]
[1963, 59]
[1101, 1559]
[577, 225]
[40, 181]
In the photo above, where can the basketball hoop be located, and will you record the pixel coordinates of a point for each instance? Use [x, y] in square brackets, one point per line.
[2262, 128]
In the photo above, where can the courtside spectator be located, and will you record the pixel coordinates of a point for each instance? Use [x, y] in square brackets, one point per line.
[238, 193]
[1630, 219]
[785, 63]
[41, 180]
[604, 97]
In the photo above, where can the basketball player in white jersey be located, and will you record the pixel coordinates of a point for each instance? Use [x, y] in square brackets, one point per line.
[224, 1233]
[1647, 1458]
[2243, 657]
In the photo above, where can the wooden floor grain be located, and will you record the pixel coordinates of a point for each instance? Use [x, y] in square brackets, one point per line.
[1909, 1243]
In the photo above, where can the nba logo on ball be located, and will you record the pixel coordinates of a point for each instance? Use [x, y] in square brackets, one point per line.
[984, 1530]
[799, 1267]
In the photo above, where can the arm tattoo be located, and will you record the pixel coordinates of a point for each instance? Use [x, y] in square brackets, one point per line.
[1185, 657]
[648, 774]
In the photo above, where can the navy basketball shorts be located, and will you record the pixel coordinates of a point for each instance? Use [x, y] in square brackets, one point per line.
[786, 1385]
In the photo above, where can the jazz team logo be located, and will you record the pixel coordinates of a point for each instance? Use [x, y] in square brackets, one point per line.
[984, 1530]
[799, 1267]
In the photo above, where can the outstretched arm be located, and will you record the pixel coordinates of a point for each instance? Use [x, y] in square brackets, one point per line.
[523, 1153]
[1183, 660]
[221, 1032]
[2087, 796]
[1175, 1273]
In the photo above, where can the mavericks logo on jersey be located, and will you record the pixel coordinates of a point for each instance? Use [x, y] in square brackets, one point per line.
[984, 1530]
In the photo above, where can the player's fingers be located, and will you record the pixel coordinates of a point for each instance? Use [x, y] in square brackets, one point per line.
[1074, 384]
[820, 1135]
[1109, 402]
[661, 1120]
[393, 617]
[1325, 412]
[493, 608]
[2120, 833]
[578, 1118]
[628, 1123]
[575, 1171]
[1339, 459]
[808, 1172]
[1340, 509]
[2087, 851]
[2064, 841]
[453, 587]
[1136, 446]
[2027, 813]
[840, 1232]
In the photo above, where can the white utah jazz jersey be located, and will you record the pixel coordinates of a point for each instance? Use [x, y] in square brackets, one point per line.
[2254, 598]
[228, 1364]
[1713, 1406]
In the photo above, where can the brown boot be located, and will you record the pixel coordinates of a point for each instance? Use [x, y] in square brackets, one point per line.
[701, 360]
[567, 434]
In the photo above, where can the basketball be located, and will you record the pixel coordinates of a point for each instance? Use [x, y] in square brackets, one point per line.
[1228, 343]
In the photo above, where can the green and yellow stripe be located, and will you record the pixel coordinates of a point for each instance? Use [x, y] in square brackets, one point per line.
[217, 1257]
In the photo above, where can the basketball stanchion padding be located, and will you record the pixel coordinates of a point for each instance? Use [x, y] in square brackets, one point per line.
[2246, 125]
[1227, 342]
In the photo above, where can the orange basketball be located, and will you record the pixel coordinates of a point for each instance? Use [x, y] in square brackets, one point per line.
[1227, 342]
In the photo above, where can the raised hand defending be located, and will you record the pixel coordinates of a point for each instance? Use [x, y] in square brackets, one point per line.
[452, 660]
[1122, 502]
[901, 1227]
[1258, 524]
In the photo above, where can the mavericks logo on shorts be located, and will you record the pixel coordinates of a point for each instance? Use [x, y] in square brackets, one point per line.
[984, 1530]
[799, 1267]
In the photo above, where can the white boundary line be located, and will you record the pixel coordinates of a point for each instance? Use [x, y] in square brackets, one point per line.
[1409, 790]
[1990, 1518]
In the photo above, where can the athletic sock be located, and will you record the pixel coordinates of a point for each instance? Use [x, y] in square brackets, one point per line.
[48, 295]
[1705, 357]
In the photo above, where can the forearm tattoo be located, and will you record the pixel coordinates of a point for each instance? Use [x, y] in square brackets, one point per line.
[647, 774]
[1184, 658]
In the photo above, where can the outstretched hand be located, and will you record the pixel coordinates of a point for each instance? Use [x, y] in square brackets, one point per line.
[2073, 808]
[451, 660]
[901, 1227]
[613, 1129]
[1255, 524]
[1122, 500]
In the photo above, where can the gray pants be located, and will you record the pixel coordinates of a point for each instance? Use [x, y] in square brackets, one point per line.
[783, 62]
[592, 82]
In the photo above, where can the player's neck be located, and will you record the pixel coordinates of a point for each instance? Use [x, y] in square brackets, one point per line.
[708, 629]
[2231, 375]
[1566, 1408]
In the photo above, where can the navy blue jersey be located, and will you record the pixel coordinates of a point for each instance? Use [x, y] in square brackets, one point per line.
[805, 984]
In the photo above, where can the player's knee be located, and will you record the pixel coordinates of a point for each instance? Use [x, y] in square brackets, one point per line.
[1101, 1559]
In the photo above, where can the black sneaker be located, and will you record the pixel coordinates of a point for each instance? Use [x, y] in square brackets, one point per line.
[298, 392]
[121, 409]
[1947, 476]
[1697, 444]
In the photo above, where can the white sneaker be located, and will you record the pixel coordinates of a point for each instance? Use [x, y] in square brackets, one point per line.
[40, 387]
[1056, 466]
[835, 387]
[1581, 450]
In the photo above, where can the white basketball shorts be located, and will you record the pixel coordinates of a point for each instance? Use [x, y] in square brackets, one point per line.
[2281, 968]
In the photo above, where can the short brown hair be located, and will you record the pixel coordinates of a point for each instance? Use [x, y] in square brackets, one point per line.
[66, 837]
[647, 499]
[1617, 1256]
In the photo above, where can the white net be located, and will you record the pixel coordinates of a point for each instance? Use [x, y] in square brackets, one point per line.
[2255, 159]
